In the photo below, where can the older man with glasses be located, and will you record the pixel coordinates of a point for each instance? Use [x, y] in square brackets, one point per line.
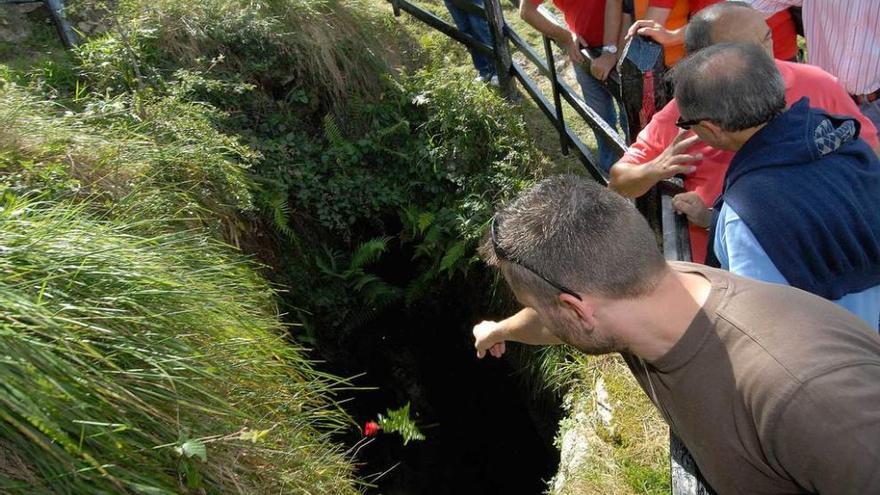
[799, 203]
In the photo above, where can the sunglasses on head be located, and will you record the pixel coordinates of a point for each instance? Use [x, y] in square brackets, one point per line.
[503, 256]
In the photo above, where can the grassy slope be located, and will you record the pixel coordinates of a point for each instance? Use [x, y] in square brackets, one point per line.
[143, 355]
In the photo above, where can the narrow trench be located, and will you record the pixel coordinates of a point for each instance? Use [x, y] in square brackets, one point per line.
[487, 431]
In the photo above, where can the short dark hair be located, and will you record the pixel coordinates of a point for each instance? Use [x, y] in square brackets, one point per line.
[580, 235]
[698, 34]
[735, 85]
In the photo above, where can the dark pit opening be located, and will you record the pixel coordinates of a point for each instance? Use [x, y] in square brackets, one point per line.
[486, 432]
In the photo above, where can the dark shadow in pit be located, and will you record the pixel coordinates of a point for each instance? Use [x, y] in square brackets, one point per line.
[485, 433]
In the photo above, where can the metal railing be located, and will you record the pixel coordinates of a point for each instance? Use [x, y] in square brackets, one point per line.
[56, 9]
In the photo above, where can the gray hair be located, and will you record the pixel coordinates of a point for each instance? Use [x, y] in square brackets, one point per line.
[578, 234]
[698, 34]
[735, 85]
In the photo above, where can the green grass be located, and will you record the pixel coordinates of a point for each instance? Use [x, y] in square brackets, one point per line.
[149, 364]
[141, 353]
[629, 455]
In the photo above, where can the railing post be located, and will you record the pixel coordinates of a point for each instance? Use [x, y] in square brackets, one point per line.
[502, 48]
[56, 8]
[554, 79]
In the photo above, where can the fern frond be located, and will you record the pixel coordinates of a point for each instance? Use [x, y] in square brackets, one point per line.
[332, 131]
[368, 252]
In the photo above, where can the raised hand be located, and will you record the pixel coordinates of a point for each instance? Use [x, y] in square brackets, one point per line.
[674, 160]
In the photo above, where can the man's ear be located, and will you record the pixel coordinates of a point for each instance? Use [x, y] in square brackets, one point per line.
[717, 133]
[582, 309]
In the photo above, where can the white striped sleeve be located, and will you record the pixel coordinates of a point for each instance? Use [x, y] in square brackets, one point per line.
[773, 6]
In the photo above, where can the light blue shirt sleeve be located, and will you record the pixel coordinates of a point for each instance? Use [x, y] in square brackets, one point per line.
[739, 251]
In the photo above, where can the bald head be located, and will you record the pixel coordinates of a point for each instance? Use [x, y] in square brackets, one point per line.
[727, 22]
[736, 86]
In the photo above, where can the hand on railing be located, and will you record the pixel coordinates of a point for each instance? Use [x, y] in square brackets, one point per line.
[655, 31]
[601, 66]
[690, 204]
[573, 49]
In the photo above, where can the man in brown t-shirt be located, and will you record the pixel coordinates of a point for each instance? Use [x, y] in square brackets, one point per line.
[772, 389]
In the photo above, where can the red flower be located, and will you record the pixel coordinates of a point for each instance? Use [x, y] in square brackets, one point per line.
[371, 429]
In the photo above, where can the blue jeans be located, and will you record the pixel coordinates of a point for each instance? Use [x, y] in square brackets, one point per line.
[872, 111]
[599, 99]
[477, 28]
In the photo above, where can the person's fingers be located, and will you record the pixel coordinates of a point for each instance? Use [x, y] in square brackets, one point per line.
[688, 197]
[502, 346]
[652, 32]
[574, 53]
[680, 159]
[682, 134]
[681, 169]
[683, 142]
[636, 26]
[685, 209]
[480, 353]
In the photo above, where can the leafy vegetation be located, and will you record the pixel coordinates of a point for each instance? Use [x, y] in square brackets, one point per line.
[399, 421]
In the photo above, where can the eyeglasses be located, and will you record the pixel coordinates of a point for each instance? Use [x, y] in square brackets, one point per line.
[502, 255]
[687, 124]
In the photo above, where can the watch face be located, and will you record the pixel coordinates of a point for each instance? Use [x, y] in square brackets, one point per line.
[610, 49]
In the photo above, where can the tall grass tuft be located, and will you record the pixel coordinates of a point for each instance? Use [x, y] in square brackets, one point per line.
[149, 364]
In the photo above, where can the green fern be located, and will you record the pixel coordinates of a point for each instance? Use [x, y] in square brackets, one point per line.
[368, 252]
[398, 421]
[332, 131]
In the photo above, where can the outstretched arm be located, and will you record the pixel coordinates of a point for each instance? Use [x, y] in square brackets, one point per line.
[523, 327]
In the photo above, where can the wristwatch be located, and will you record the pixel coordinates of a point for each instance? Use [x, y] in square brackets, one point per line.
[612, 49]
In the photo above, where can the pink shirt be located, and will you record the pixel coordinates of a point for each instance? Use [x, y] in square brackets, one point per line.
[801, 80]
[843, 37]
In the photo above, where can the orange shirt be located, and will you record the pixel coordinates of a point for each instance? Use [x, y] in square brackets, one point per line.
[823, 90]
[678, 17]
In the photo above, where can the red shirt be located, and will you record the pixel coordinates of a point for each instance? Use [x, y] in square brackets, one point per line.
[784, 35]
[823, 90]
[586, 18]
